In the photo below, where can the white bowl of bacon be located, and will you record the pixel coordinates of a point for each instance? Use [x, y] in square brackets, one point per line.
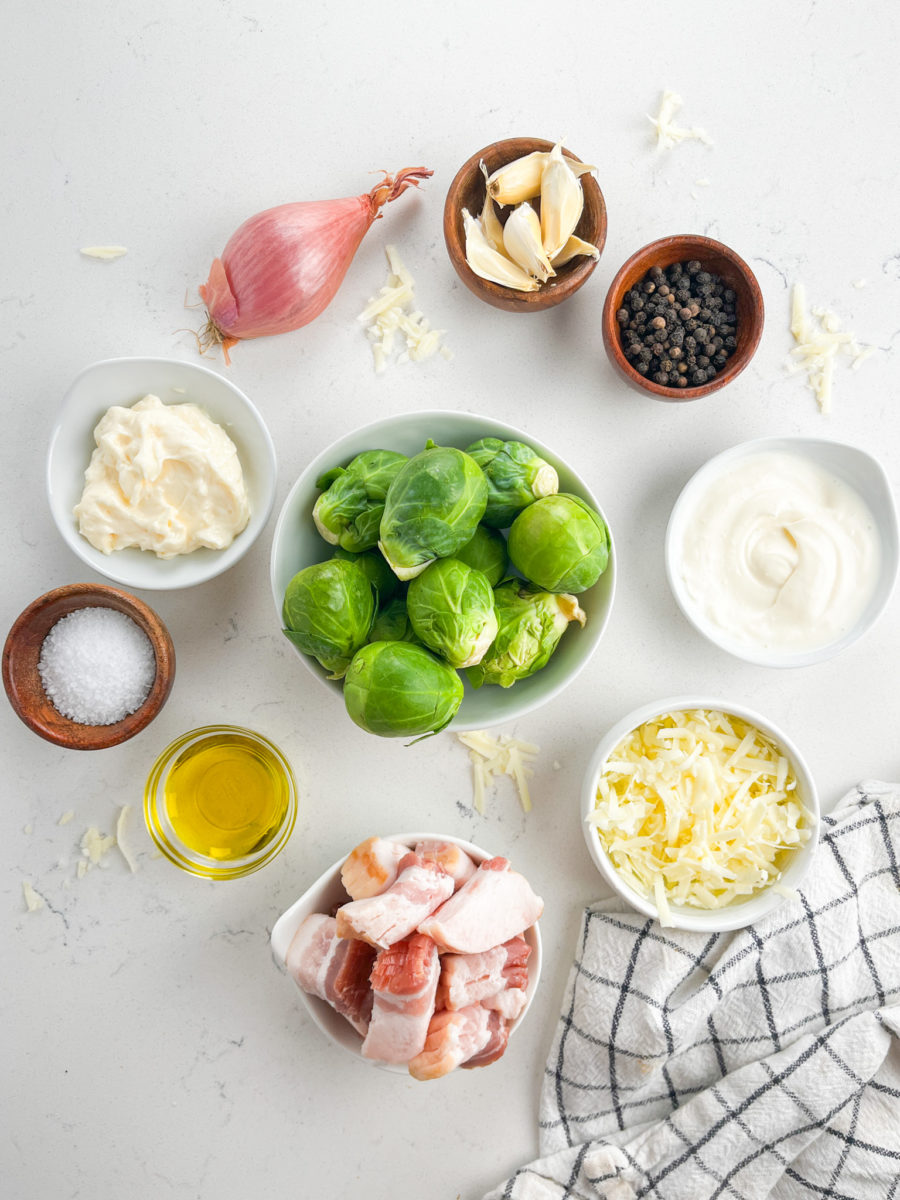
[418, 952]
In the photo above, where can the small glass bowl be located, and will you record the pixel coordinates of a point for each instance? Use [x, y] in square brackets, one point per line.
[158, 801]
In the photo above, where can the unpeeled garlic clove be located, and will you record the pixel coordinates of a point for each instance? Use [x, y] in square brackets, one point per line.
[562, 202]
[489, 263]
[490, 222]
[573, 247]
[519, 180]
[522, 242]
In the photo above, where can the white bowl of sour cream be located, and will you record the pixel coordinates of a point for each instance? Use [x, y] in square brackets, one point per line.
[783, 551]
[192, 499]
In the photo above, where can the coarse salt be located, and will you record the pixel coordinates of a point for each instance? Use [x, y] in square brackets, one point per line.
[97, 666]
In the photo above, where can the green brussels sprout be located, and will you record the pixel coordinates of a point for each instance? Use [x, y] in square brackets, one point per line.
[392, 623]
[559, 543]
[433, 507]
[516, 477]
[348, 513]
[531, 622]
[328, 609]
[486, 552]
[375, 569]
[451, 608]
[398, 690]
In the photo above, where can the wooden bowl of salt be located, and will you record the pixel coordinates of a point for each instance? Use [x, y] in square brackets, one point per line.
[109, 676]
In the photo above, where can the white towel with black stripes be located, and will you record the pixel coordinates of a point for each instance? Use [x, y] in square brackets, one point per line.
[764, 1062]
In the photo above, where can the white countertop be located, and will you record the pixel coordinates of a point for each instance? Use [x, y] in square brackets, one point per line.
[152, 1049]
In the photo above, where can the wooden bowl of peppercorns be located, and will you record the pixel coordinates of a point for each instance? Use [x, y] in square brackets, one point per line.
[682, 318]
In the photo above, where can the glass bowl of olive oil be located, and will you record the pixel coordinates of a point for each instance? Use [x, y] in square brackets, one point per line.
[220, 802]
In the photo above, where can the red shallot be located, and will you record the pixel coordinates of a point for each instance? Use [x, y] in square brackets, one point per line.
[281, 268]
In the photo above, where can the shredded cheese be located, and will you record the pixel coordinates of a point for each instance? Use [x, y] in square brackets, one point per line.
[668, 134]
[94, 848]
[105, 252]
[819, 340]
[34, 901]
[698, 808]
[391, 315]
[120, 829]
[66, 817]
[492, 757]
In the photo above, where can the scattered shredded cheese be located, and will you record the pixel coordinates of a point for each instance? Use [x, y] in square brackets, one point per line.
[819, 340]
[668, 134]
[94, 848]
[34, 901]
[120, 829]
[29, 828]
[503, 755]
[859, 283]
[392, 313]
[66, 817]
[698, 808]
[105, 252]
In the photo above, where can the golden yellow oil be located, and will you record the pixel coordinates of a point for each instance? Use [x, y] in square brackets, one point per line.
[226, 796]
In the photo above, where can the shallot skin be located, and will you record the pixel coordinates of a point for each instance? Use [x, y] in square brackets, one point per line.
[282, 267]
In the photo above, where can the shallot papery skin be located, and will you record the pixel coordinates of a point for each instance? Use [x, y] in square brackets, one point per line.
[281, 268]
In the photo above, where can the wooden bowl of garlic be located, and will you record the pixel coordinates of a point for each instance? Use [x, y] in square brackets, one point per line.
[524, 224]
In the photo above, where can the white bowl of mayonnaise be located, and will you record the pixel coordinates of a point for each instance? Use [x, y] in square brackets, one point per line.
[783, 551]
[180, 472]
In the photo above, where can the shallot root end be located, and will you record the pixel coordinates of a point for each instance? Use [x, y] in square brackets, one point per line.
[393, 186]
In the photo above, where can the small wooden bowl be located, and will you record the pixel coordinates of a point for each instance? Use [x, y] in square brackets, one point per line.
[717, 259]
[22, 679]
[467, 191]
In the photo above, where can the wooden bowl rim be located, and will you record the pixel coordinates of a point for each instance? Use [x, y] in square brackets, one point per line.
[576, 273]
[22, 680]
[645, 258]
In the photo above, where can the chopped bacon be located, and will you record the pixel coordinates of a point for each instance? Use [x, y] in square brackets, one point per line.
[382, 920]
[404, 981]
[371, 867]
[335, 970]
[494, 905]
[453, 1037]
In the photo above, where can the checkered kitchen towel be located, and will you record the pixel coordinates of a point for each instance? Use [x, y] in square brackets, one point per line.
[764, 1062]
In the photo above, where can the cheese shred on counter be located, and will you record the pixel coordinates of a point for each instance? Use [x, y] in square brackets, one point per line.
[698, 808]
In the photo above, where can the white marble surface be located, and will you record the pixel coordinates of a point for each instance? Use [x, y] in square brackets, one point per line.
[151, 1048]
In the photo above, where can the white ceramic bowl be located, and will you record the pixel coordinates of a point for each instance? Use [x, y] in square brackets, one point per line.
[855, 467]
[296, 544]
[124, 381]
[738, 914]
[324, 896]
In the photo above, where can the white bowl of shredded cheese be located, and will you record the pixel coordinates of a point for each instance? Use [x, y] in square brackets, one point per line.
[700, 812]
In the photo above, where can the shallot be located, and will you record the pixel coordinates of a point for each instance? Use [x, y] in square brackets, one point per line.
[281, 268]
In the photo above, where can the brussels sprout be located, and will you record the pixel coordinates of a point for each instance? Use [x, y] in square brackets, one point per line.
[392, 623]
[531, 622]
[559, 543]
[433, 507]
[398, 690]
[486, 552]
[375, 569]
[516, 477]
[451, 607]
[328, 609]
[348, 513]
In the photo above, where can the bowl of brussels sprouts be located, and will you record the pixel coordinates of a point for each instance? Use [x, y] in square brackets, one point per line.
[441, 570]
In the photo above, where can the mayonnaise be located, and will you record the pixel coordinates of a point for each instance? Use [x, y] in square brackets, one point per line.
[163, 477]
[779, 554]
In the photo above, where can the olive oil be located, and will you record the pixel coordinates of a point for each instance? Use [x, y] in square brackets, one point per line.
[226, 796]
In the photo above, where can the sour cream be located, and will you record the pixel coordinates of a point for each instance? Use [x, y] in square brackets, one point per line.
[779, 554]
[165, 478]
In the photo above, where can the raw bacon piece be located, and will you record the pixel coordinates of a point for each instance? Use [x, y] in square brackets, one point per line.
[509, 1003]
[382, 920]
[335, 970]
[371, 867]
[468, 978]
[495, 1046]
[453, 1037]
[404, 981]
[452, 858]
[492, 907]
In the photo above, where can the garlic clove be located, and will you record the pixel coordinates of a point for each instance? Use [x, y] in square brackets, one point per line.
[490, 222]
[490, 264]
[562, 202]
[522, 242]
[573, 247]
[519, 180]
